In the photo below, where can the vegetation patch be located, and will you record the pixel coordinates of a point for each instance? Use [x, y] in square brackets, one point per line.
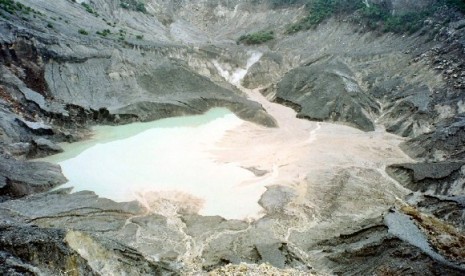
[103, 33]
[134, 5]
[83, 32]
[122, 35]
[256, 38]
[378, 17]
[13, 7]
[89, 9]
[458, 4]
[374, 16]
[319, 10]
[284, 3]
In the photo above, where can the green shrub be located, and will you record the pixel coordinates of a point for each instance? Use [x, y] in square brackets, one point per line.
[140, 7]
[256, 38]
[8, 5]
[103, 33]
[134, 5]
[283, 3]
[319, 10]
[83, 32]
[376, 16]
[12, 7]
[89, 9]
[139, 37]
[459, 4]
[374, 12]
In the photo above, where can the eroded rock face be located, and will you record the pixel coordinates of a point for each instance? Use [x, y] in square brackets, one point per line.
[143, 85]
[128, 238]
[440, 178]
[444, 143]
[327, 90]
[56, 81]
[28, 250]
[21, 178]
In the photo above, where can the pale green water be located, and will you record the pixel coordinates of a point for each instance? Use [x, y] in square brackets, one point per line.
[106, 134]
[170, 156]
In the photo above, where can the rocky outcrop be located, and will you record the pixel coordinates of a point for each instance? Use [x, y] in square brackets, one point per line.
[269, 69]
[125, 237]
[145, 85]
[327, 90]
[445, 142]
[374, 250]
[28, 250]
[19, 178]
[102, 231]
[441, 178]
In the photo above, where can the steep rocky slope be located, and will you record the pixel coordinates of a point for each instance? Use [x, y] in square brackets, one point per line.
[66, 66]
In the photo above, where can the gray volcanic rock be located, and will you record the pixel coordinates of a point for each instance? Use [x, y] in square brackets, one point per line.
[47, 106]
[269, 69]
[436, 171]
[12, 131]
[196, 225]
[44, 147]
[126, 237]
[77, 252]
[406, 104]
[11, 265]
[102, 230]
[25, 178]
[109, 255]
[61, 203]
[448, 208]
[23, 249]
[146, 85]
[442, 178]
[447, 141]
[3, 182]
[326, 90]
[275, 199]
[37, 127]
[374, 250]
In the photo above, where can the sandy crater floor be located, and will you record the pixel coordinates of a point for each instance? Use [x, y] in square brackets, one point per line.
[332, 170]
[318, 161]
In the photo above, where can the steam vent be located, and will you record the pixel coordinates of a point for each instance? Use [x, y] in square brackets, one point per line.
[232, 137]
